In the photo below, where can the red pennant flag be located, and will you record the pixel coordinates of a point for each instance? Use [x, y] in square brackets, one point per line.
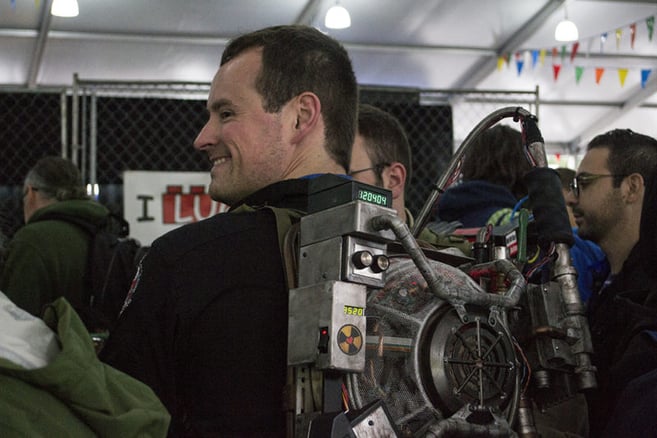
[574, 51]
[556, 68]
[599, 71]
[632, 34]
[555, 53]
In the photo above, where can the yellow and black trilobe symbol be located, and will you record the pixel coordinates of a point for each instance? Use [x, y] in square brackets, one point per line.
[350, 340]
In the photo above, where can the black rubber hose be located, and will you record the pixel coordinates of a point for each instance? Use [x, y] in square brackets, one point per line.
[532, 133]
[548, 206]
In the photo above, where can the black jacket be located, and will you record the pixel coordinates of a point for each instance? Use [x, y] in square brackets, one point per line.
[206, 326]
[623, 322]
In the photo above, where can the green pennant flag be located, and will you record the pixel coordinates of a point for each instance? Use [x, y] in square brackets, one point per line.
[578, 73]
[650, 22]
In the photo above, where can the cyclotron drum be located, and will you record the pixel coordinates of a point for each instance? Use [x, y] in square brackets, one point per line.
[425, 362]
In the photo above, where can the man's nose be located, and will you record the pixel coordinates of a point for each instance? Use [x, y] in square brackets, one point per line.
[205, 137]
[570, 198]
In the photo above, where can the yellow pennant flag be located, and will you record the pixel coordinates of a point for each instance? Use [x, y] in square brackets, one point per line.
[541, 56]
[500, 62]
[622, 74]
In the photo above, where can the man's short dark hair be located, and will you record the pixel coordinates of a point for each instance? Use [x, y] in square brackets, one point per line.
[497, 156]
[566, 176]
[629, 152]
[296, 59]
[56, 178]
[385, 138]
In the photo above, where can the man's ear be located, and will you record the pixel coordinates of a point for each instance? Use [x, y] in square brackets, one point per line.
[633, 186]
[308, 110]
[394, 179]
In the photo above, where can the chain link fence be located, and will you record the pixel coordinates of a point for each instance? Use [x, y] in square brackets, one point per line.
[109, 127]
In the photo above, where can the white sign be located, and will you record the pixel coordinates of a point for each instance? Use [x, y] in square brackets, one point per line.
[157, 202]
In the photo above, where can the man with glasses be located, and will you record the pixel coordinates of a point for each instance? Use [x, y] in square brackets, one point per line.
[47, 258]
[607, 200]
[381, 155]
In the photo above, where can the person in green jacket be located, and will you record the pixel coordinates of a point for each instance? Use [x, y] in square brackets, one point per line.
[54, 385]
[47, 258]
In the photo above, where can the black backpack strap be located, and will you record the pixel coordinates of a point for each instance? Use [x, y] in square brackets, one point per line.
[92, 317]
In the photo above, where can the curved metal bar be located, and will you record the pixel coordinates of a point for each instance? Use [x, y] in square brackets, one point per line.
[455, 163]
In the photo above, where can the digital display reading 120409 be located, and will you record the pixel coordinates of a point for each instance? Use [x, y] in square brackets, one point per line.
[372, 197]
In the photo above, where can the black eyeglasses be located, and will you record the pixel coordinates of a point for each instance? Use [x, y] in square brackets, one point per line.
[584, 179]
[377, 169]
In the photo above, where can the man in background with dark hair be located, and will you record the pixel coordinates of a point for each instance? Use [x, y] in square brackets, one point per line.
[205, 325]
[47, 258]
[381, 156]
[588, 259]
[607, 199]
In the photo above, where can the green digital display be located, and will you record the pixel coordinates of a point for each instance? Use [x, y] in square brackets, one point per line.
[372, 197]
[353, 310]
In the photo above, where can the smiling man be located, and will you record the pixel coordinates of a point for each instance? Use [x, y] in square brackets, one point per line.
[607, 200]
[206, 324]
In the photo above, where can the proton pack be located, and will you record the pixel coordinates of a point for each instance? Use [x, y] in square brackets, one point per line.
[388, 338]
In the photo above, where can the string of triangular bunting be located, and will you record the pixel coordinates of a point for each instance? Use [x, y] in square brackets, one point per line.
[12, 3]
[538, 56]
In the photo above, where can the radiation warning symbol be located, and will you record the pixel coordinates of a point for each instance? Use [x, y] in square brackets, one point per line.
[350, 339]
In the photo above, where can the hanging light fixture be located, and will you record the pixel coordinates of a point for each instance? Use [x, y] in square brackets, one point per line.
[566, 30]
[65, 8]
[337, 17]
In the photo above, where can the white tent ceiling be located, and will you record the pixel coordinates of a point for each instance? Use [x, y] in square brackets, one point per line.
[427, 44]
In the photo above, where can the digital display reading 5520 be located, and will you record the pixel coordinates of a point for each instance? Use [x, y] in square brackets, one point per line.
[353, 310]
[372, 197]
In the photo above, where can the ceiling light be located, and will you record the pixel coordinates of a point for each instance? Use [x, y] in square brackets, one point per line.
[65, 8]
[566, 29]
[337, 17]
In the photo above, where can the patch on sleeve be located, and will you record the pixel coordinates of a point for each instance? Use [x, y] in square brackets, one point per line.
[133, 287]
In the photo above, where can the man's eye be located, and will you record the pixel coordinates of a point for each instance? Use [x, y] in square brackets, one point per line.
[225, 114]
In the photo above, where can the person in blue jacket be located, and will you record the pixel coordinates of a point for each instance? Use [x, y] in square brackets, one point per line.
[493, 172]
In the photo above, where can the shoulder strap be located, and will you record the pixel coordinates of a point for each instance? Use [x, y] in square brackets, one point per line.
[287, 224]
